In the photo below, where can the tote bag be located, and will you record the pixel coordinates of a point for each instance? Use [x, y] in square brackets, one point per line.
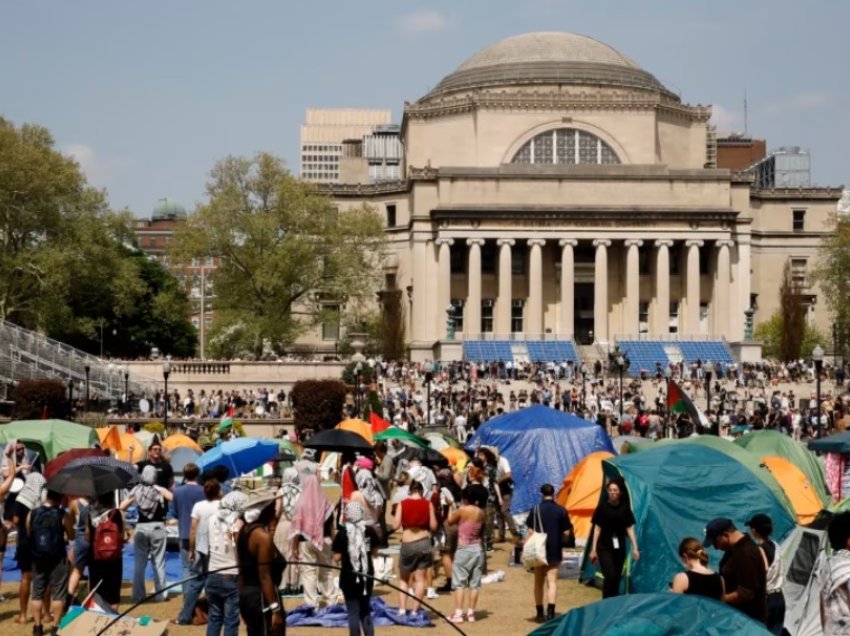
[534, 550]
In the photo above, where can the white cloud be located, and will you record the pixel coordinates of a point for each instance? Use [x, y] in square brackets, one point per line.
[725, 119]
[100, 169]
[423, 21]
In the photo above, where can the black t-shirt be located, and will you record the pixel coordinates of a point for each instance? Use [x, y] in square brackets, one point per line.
[555, 521]
[611, 522]
[164, 472]
[479, 495]
[351, 585]
[742, 569]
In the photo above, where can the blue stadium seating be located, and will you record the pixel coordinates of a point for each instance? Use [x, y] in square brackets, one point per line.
[714, 351]
[643, 355]
[538, 351]
[551, 350]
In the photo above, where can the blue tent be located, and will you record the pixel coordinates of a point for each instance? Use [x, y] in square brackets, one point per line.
[675, 489]
[542, 445]
[653, 615]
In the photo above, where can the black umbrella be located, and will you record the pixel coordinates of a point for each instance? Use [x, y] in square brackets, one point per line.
[428, 456]
[89, 480]
[125, 467]
[337, 440]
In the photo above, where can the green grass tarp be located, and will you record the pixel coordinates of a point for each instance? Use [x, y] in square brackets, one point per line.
[653, 615]
[52, 436]
[761, 443]
[675, 489]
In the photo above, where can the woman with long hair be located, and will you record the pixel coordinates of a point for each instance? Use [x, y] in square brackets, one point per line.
[612, 522]
[697, 578]
[416, 518]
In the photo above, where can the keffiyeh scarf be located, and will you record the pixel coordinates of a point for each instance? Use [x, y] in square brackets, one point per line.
[368, 486]
[289, 491]
[358, 544]
[30, 494]
[146, 495]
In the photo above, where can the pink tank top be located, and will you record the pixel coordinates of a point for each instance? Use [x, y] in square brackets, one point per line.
[469, 532]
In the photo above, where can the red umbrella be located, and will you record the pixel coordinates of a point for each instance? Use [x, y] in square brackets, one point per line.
[55, 465]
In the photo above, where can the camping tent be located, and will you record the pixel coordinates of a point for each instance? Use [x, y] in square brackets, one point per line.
[675, 490]
[580, 492]
[837, 443]
[761, 443]
[804, 498]
[803, 554]
[653, 615]
[49, 437]
[542, 445]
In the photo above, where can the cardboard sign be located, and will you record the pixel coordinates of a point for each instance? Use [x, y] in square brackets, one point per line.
[91, 623]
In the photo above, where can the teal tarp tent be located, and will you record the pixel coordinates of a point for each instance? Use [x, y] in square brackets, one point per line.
[675, 490]
[653, 615]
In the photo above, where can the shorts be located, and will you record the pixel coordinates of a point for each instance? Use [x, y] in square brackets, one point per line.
[449, 545]
[467, 567]
[23, 555]
[4, 537]
[52, 572]
[416, 555]
[82, 553]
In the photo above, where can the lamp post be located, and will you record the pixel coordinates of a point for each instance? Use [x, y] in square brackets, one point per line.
[87, 369]
[110, 368]
[358, 369]
[429, 375]
[621, 360]
[70, 398]
[126, 389]
[668, 374]
[817, 358]
[166, 371]
[709, 372]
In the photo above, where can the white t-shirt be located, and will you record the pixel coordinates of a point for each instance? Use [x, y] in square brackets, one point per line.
[202, 511]
[503, 467]
[222, 546]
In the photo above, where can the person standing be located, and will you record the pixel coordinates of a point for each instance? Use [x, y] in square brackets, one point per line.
[5, 487]
[761, 527]
[416, 518]
[468, 562]
[80, 555]
[49, 529]
[186, 496]
[149, 538]
[611, 522]
[697, 578]
[222, 526]
[552, 519]
[106, 533]
[28, 499]
[835, 574]
[311, 532]
[743, 568]
[354, 547]
[505, 484]
[287, 496]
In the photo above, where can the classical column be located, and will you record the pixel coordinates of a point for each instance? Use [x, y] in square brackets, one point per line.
[420, 316]
[473, 301]
[661, 319]
[503, 302]
[535, 287]
[631, 322]
[568, 287]
[444, 277]
[723, 283]
[692, 298]
[600, 291]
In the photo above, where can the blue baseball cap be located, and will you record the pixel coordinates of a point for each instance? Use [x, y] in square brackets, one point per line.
[715, 528]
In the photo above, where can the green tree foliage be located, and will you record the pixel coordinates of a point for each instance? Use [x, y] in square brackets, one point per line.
[317, 405]
[282, 249]
[770, 334]
[65, 265]
[833, 275]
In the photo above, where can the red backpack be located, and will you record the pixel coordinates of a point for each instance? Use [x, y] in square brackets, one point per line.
[108, 541]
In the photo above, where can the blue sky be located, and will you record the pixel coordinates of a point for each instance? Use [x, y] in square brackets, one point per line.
[148, 95]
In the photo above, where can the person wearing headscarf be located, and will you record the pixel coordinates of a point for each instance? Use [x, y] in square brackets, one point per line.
[149, 539]
[354, 547]
[29, 498]
[284, 507]
[307, 464]
[310, 533]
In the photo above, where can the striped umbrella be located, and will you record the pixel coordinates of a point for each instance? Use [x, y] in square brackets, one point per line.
[108, 462]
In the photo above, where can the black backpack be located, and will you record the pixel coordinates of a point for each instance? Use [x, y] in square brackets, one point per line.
[47, 533]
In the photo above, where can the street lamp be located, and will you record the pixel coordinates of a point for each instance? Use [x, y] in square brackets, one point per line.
[817, 358]
[709, 371]
[166, 371]
[87, 369]
[668, 375]
[621, 360]
[126, 371]
[429, 375]
[358, 369]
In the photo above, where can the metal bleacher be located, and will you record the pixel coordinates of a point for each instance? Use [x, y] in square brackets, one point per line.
[503, 350]
[714, 350]
[645, 354]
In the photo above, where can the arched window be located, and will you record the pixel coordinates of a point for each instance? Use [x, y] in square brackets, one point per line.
[565, 145]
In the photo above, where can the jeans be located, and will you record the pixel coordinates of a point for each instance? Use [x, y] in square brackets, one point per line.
[359, 615]
[611, 563]
[148, 544]
[775, 613]
[192, 589]
[184, 559]
[223, 600]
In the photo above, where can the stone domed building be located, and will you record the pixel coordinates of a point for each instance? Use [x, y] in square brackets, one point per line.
[556, 192]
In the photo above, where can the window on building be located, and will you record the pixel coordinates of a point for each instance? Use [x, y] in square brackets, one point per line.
[487, 315]
[390, 280]
[391, 220]
[518, 261]
[643, 318]
[798, 272]
[458, 303]
[799, 220]
[457, 257]
[488, 258]
[566, 146]
[330, 325]
[209, 261]
[517, 310]
[673, 323]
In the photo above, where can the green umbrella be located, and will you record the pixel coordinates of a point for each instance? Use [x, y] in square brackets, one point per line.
[393, 432]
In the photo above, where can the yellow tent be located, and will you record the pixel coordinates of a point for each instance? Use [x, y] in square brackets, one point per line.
[807, 505]
[357, 426]
[580, 492]
[179, 440]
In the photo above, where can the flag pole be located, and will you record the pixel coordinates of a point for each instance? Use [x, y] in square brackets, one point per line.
[91, 594]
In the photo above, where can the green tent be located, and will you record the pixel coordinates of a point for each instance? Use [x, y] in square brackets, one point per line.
[49, 437]
[653, 615]
[763, 443]
[674, 490]
[727, 447]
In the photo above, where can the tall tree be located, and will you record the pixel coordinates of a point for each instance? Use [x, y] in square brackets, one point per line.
[282, 249]
[793, 313]
[833, 275]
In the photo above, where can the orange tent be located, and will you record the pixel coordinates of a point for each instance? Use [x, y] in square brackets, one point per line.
[580, 492]
[456, 457]
[109, 438]
[139, 449]
[181, 441]
[807, 504]
[363, 429]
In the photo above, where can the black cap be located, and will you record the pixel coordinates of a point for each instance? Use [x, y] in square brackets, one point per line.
[762, 524]
[715, 528]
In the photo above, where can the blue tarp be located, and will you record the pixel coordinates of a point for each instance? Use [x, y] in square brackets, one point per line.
[542, 445]
[383, 615]
[653, 615]
[675, 489]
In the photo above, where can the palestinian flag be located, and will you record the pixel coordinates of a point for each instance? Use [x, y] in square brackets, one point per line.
[679, 402]
[94, 603]
[377, 423]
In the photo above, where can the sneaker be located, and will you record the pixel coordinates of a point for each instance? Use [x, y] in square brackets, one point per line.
[445, 588]
[456, 617]
[470, 616]
[432, 593]
[402, 612]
